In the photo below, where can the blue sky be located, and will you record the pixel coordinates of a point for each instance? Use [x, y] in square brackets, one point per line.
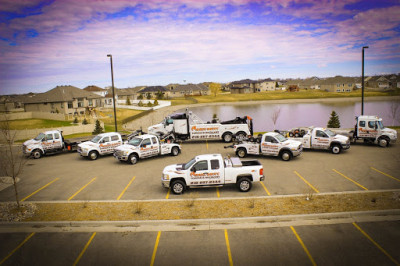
[48, 43]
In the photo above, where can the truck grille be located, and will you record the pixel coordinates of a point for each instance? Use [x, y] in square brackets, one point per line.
[79, 149]
[119, 153]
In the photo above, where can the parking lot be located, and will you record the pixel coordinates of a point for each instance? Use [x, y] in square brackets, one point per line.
[361, 243]
[67, 176]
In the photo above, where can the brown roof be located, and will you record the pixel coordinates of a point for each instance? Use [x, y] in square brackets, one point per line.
[93, 88]
[62, 94]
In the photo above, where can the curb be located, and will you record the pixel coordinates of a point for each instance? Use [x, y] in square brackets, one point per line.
[203, 224]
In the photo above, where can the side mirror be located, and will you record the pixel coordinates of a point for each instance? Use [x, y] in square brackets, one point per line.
[194, 169]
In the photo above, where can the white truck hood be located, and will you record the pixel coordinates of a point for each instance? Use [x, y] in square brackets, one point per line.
[290, 143]
[126, 147]
[391, 133]
[173, 169]
[31, 142]
[88, 144]
[340, 138]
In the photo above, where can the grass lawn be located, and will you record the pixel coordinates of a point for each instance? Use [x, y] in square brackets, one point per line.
[107, 116]
[22, 124]
[276, 95]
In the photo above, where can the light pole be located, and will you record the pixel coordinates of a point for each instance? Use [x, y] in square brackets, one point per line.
[362, 80]
[112, 80]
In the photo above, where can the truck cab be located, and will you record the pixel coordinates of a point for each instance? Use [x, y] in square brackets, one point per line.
[324, 139]
[144, 146]
[46, 142]
[371, 130]
[210, 170]
[270, 144]
[101, 144]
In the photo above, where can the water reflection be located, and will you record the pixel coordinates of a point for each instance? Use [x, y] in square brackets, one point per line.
[300, 114]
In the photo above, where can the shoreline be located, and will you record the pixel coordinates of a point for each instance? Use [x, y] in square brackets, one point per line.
[158, 115]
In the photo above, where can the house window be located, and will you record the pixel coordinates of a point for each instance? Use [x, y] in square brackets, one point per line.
[70, 105]
[90, 102]
[80, 103]
[338, 85]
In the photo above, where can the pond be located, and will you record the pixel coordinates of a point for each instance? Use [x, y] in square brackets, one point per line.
[302, 114]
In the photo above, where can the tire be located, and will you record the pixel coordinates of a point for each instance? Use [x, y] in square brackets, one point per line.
[227, 137]
[178, 187]
[241, 152]
[240, 136]
[133, 158]
[36, 154]
[174, 151]
[336, 149]
[297, 135]
[244, 184]
[383, 142]
[93, 155]
[286, 155]
[291, 134]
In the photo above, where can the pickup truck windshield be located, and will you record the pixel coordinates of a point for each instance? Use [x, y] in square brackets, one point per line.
[135, 141]
[189, 164]
[280, 138]
[40, 137]
[330, 133]
[96, 139]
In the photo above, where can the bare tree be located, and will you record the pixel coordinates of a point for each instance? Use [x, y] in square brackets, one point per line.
[393, 109]
[12, 159]
[275, 115]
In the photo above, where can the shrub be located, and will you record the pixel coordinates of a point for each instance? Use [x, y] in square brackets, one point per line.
[98, 129]
[76, 120]
[84, 122]
[333, 121]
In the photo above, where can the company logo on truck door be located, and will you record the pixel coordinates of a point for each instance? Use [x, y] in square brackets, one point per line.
[205, 175]
[199, 132]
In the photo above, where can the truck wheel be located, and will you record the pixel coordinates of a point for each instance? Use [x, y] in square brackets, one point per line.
[241, 152]
[36, 154]
[93, 155]
[286, 155]
[178, 187]
[240, 136]
[133, 158]
[227, 137]
[291, 134]
[297, 135]
[175, 151]
[383, 142]
[336, 149]
[244, 184]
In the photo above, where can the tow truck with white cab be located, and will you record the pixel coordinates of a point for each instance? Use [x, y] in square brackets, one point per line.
[270, 144]
[50, 142]
[323, 139]
[101, 144]
[371, 130]
[145, 146]
[187, 125]
[212, 170]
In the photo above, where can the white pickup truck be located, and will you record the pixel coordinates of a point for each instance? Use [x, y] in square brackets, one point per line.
[324, 139]
[145, 146]
[212, 170]
[270, 144]
[101, 144]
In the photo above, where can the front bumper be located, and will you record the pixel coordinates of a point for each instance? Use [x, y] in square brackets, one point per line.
[165, 183]
[297, 152]
[346, 146]
[120, 156]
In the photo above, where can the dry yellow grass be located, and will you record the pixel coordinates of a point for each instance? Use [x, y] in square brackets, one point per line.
[190, 207]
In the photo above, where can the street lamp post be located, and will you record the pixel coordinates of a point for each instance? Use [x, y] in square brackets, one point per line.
[112, 80]
[362, 80]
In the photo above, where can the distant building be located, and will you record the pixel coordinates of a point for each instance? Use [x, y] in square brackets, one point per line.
[339, 84]
[96, 90]
[187, 90]
[64, 100]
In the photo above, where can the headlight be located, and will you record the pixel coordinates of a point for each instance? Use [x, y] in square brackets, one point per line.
[126, 152]
[165, 177]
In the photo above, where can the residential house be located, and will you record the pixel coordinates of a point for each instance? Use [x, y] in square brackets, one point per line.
[241, 90]
[153, 91]
[385, 82]
[64, 100]
[96, 90]
[339, 84]
[264, 85]
[188, 90]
